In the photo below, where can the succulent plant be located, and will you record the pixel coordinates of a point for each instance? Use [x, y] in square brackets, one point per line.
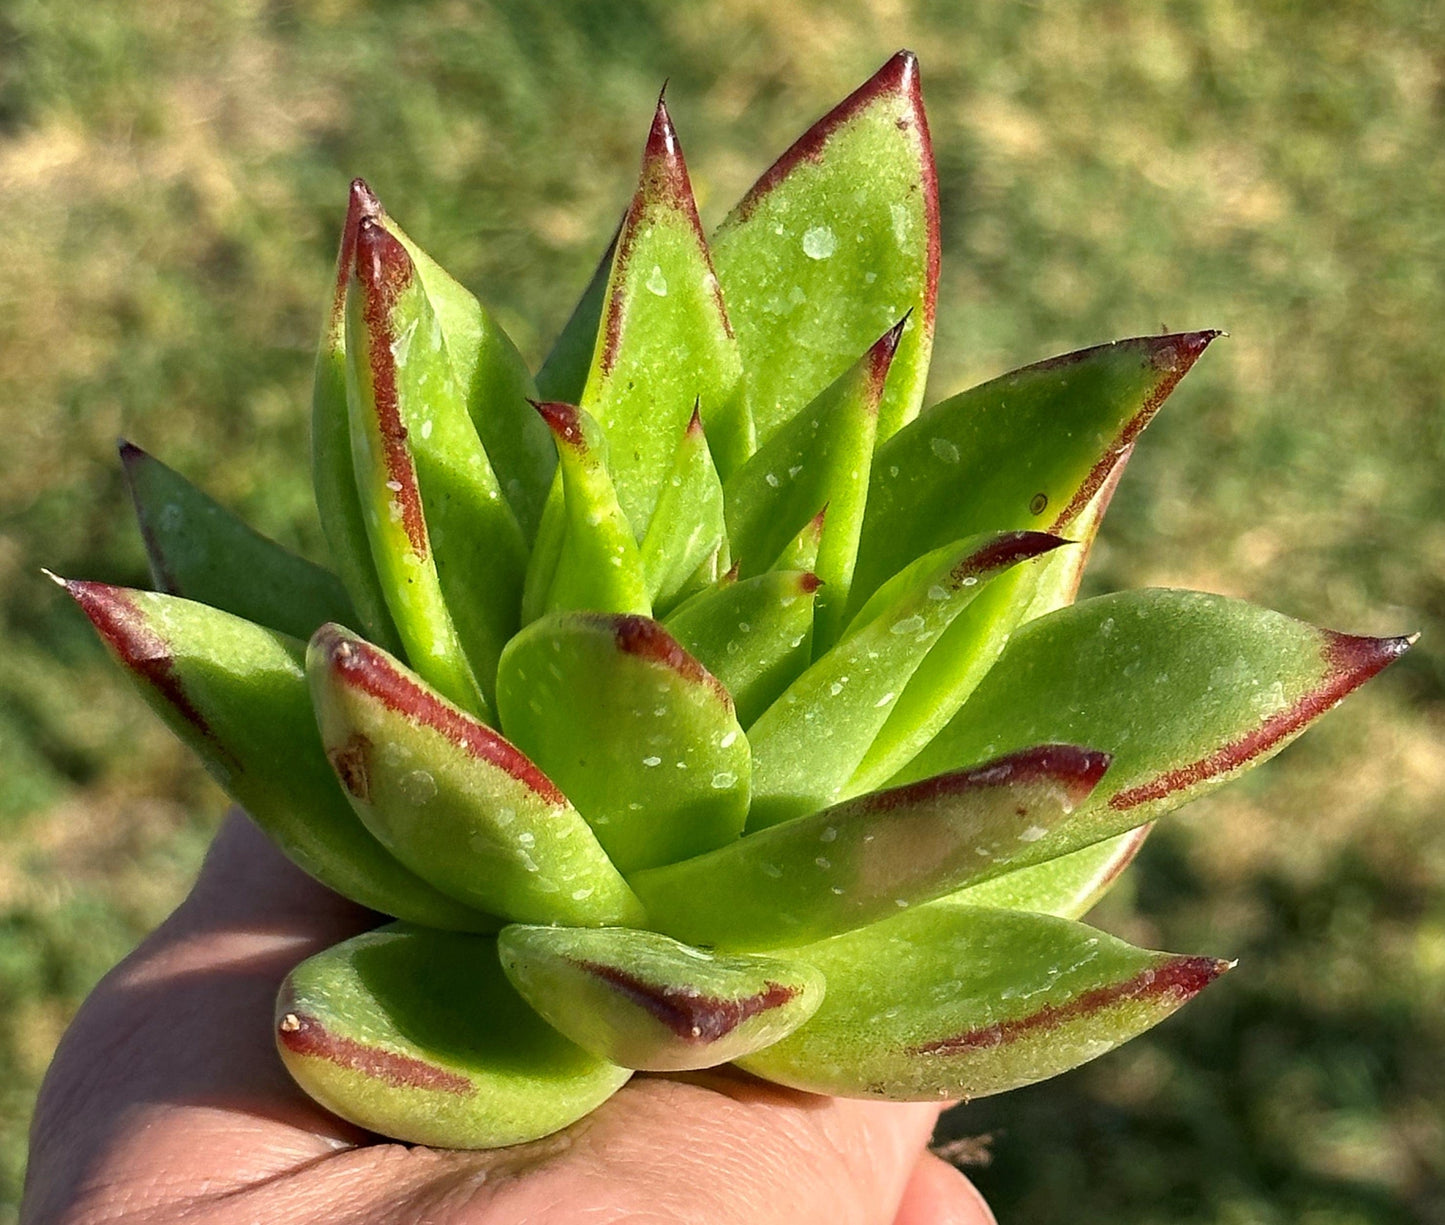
[703, 700]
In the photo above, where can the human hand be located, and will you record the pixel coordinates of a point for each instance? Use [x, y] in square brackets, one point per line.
[166, 1100]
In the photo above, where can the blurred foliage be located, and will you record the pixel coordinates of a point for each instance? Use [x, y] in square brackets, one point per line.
[174, 177]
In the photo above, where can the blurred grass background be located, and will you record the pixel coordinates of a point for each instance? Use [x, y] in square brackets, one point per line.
[173, 178]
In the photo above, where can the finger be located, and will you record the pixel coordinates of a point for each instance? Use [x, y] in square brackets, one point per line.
[725, 1150]
[176, 1040]
[938, 1194]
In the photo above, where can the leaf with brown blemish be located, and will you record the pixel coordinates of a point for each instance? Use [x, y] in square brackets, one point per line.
[452, 799]
[862, 860]
[648, 1002]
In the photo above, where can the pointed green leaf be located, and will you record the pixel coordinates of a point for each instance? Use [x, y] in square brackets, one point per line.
[495, 386]
[755, 636]
[802, 552]
[637, 733]
[1184, 689]
[418, 1035]
[199, 550]
[563, 374]
[338, 501]
[1027, 450]
[953, 1002]
[1059, 578]
[453, 800]
[687, 525]
[644, 1001]
[664, 343]
[953, 667]
[820, 458]
[388, 400]
[809, 743]
[1067, 886]
[862, 860]
[586, 556]
[834, 244]
[236, 695]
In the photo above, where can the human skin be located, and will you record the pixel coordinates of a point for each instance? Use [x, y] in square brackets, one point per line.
[166, 1102]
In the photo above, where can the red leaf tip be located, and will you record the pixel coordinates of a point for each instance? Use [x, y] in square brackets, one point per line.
[808, 582]
[130, 454]
[382, 264]
[1360, 657]
[646, 639]
[564, 420]
[1006, 549]
[362, 201]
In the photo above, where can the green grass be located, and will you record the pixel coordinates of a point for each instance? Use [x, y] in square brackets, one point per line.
[174, 176]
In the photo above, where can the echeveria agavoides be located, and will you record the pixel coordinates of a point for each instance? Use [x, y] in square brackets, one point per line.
[707, 698]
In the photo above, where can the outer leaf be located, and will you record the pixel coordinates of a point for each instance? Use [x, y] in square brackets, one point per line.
[338, 501]
[665, 343]
[564, 371]
[1184, 689]
[835, 243]
[418, 1035]
[810, 741]
[755, 636]
[495, 385]
[634, 730]
[451, 799]
[958, 1002]
[586, 556]
[862, 860]
[236, 695]
[1067, 886]
[199, 550]
[647, 1002]
[820, 458]
[687, 525]
[1027, 450]
[384, 396]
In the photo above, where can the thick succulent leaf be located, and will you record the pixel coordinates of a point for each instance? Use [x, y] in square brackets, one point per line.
[586, 556]
[801, 552]
[835, 243]
[1027, 450]
[236, 695]
[821, 457]
[388, 399]
[951, 670]
[951, 1002]
[338, 500]
[809, 743]
[1067, 886]
[755, 635]
[665, 343]
[863, 859]
[563, 373]
[495, 385]
[1184, 689]
[644, 1001]
[201, 551]
[1059, 578]
[687, 525]
[637, 733]
[418, 1035]
[453, 800]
